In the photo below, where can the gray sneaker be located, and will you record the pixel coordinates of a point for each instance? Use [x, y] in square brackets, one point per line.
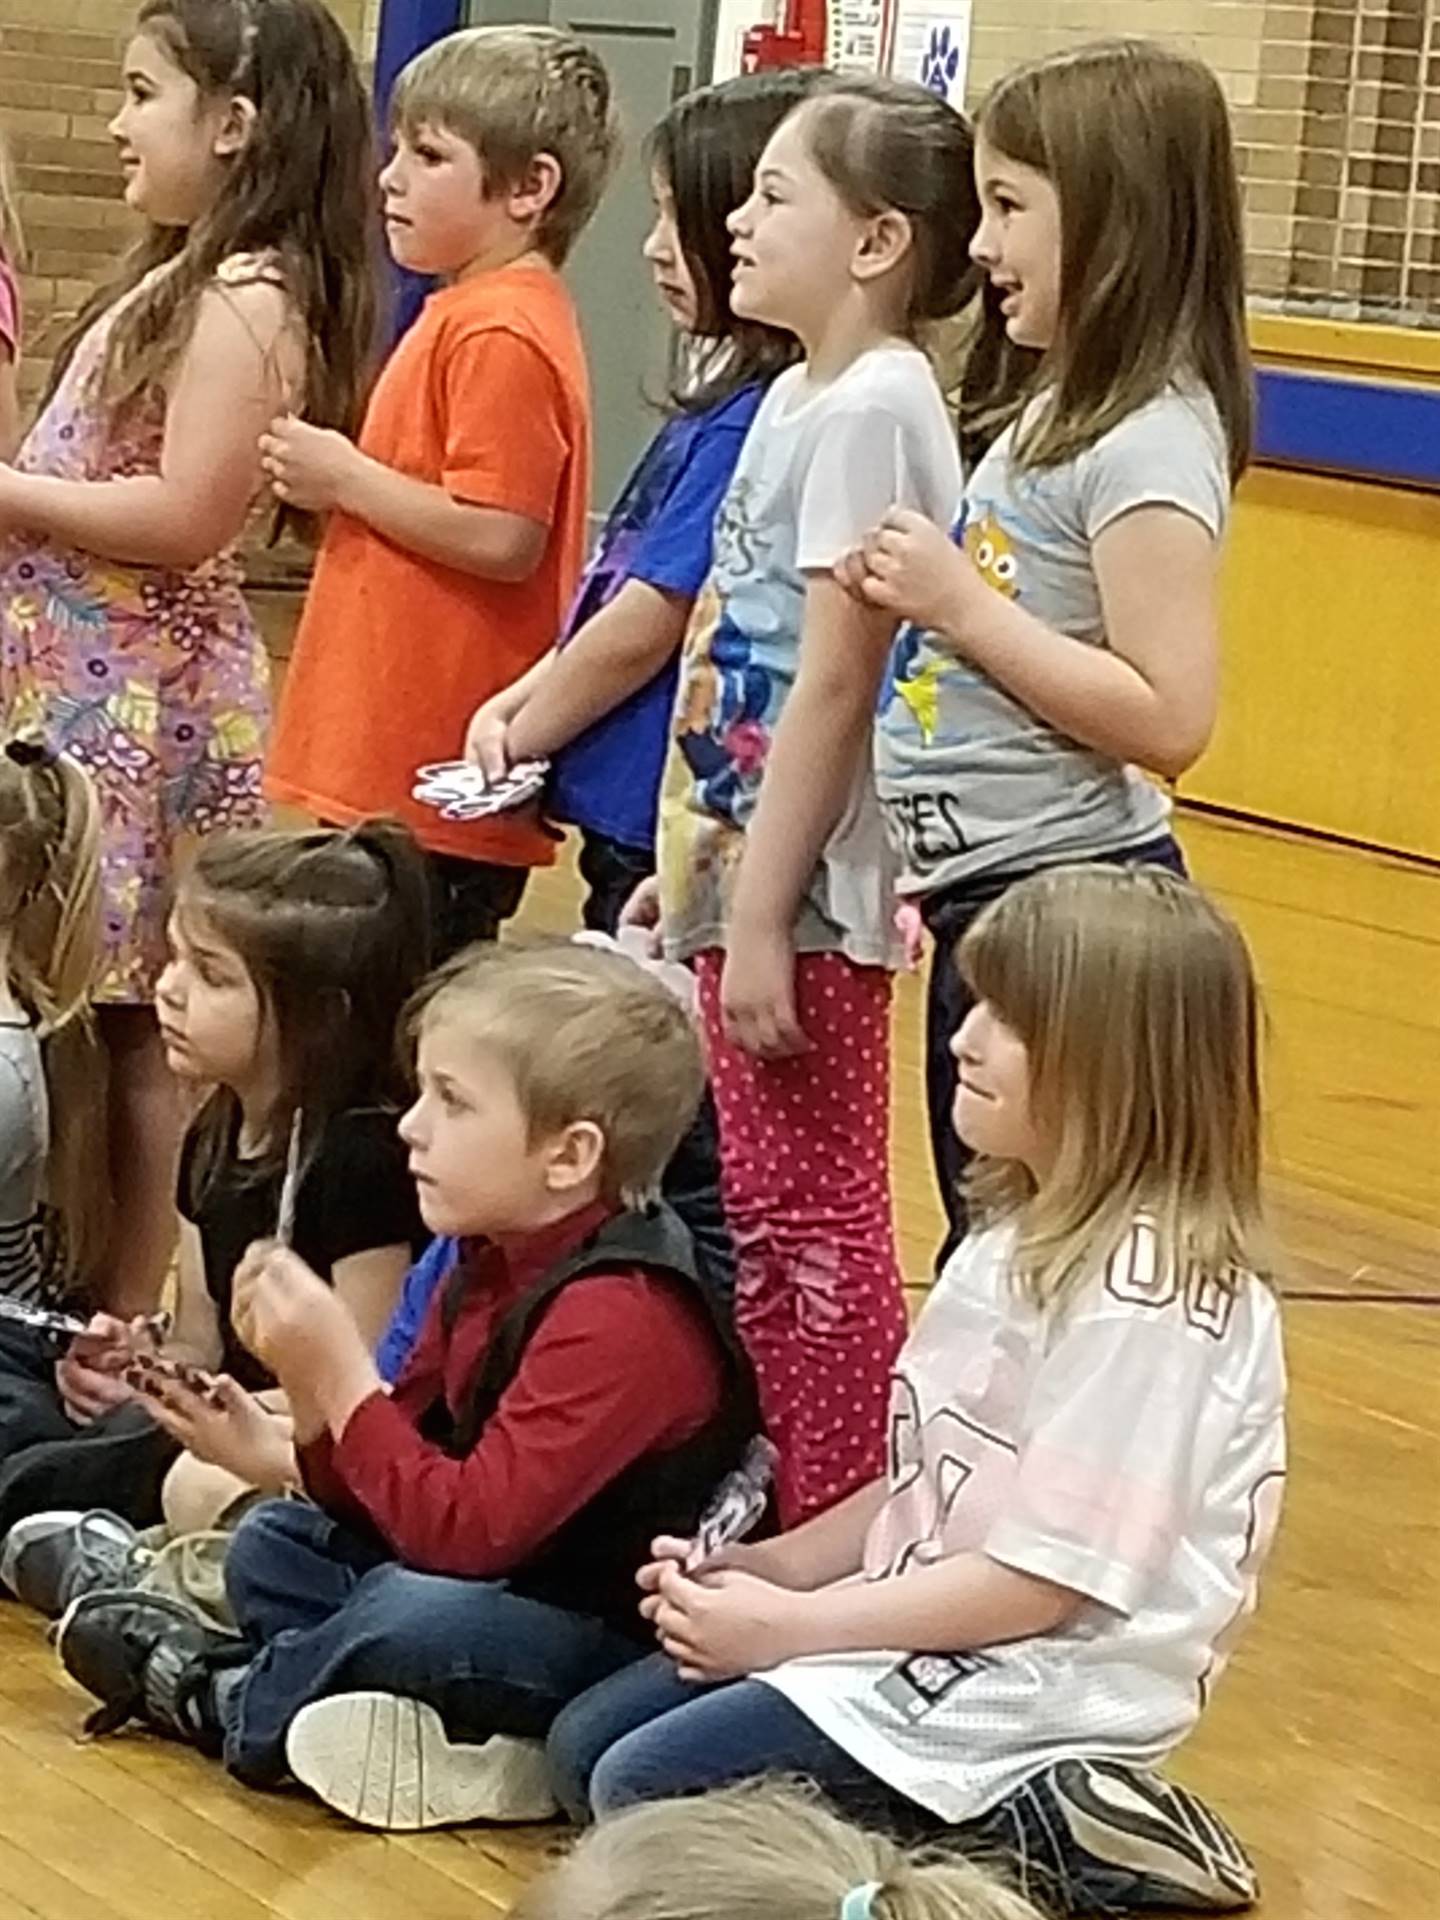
[51, 1559]
[387, 1762]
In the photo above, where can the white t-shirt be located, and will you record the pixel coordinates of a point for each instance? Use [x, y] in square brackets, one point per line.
[1132, 1448]
[971, 782]
[820, 468]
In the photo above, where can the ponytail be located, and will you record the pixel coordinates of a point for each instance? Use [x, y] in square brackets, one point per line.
[763, 1851]
[333, 928]
[50, 902]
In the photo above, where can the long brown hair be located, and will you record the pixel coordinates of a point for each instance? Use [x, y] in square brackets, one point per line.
[1136, 1001]
[768, 1850]
[332, 927]
[50, 904]
[301, 192]
[12, 232]
[1136, 140]
[706, 150]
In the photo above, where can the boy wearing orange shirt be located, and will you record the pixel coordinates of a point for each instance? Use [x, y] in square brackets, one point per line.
[457, 522]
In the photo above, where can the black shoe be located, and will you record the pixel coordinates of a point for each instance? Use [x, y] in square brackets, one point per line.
[145, 1656]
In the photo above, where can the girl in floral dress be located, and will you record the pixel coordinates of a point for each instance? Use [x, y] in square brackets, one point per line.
[245, 140]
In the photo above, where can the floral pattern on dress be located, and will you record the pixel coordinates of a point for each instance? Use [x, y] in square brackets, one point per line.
[155, 679]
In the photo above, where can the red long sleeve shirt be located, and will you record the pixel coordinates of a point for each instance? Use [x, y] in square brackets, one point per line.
[620, 1365]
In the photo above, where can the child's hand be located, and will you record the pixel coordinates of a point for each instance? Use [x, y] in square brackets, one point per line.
[910, 925]
[221, 1424]
[486, 742]
[852, 572]
[726, 1624]
[914, 570]
[757, 995]
[642, 910]
[306, 466]
[670, 1550]
[90, 1375]
[291, 1321]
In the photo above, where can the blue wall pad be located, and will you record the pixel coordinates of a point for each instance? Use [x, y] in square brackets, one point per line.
[1362, 428]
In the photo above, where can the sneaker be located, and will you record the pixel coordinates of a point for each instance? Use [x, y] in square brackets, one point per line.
[148, 1657]
[1098, 1835]
[387, 1762]
[50, 1559]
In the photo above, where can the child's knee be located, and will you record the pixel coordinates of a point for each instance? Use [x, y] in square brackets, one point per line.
[264, 1535]
[196, 1496]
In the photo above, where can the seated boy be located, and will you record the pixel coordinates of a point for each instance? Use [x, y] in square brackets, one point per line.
[457, 522]
[468, 1565]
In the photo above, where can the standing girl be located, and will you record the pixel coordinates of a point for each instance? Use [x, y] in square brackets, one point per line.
[1086, 1447]
[245, 140]
[12, 249]
[1065, 647]
[773, 868]
[292, 956]
[600, 705]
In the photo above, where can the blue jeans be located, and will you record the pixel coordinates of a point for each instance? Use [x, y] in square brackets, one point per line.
[325, 1612]
[646, 1734]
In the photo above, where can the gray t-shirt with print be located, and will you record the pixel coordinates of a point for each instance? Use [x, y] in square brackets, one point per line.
[24, 1147]
[971, 781]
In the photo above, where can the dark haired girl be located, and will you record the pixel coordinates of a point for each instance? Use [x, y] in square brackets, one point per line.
[291, 958]
[600, 704]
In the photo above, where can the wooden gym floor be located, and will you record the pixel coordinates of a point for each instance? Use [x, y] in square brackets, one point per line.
[1321, 1745]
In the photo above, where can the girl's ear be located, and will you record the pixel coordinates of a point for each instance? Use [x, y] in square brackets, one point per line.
[236, 126]
[887, 239]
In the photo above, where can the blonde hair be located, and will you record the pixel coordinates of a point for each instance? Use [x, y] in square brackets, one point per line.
[584, 1035]
[763, 1851]
[1136, 1001]
[12, 233]
[1136, 141]
[50, 907]
[513, 93]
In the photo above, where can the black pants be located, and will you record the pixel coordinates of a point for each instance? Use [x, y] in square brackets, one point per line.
[47, 1461]
[471, 900]
[612, 871]
[948, 914]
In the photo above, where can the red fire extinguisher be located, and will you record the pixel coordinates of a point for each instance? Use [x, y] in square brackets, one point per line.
[797, 41]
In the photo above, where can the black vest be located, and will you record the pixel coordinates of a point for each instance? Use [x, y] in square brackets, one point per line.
[589, 1565]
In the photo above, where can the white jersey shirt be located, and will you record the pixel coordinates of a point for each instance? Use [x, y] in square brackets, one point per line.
[1130, 1446]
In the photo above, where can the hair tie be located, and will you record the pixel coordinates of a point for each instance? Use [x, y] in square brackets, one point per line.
[27, 752]
[859, 1901]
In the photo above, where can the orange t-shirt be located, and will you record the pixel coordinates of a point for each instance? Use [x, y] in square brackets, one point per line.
[486, 396]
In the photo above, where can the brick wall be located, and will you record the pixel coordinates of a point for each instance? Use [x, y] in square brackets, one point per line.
[59, 63]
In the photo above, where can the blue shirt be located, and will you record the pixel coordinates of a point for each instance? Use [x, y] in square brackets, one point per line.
[404, 1329]
[661, 531]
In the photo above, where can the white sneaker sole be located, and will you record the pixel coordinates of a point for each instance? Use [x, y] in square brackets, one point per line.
[387, 1762]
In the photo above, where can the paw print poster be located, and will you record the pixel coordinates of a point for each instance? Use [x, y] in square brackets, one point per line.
[932, 45]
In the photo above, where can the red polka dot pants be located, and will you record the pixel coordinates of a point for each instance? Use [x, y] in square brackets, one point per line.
[804, 1167]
